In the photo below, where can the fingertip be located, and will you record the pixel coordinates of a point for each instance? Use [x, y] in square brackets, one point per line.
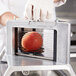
[28, 12]
[36, 14]
[43, 15]
[48, 15]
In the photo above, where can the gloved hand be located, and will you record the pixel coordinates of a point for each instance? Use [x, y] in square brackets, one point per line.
[40, 10]
[55, 1]
[4, 18]
[59, 2]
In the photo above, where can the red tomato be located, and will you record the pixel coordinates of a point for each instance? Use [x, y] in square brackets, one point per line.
[31, 41]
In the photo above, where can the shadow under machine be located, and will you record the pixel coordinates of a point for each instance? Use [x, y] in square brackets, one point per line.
[53, 55]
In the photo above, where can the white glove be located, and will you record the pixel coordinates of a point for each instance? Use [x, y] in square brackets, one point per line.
[59, 2]
[40, 10]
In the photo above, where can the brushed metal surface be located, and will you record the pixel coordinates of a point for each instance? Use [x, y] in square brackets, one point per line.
[63, 36]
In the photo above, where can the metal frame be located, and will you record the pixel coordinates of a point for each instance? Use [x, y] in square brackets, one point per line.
[63, 36]
[67, 67]
[63, 49]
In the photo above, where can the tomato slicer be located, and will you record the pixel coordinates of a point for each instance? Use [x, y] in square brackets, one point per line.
[53, 55]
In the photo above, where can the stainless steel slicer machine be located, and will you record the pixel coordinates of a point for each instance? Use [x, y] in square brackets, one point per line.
[53, 55]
